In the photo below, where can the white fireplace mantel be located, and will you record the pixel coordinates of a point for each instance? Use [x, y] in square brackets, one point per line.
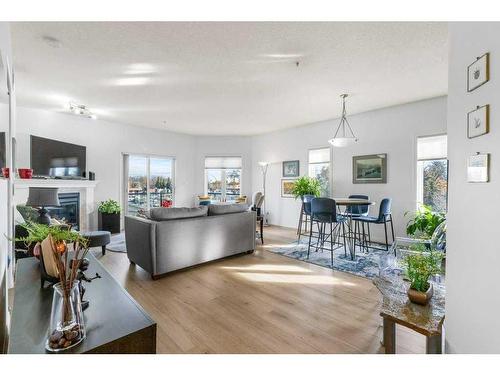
[54, 183]
[84, 187]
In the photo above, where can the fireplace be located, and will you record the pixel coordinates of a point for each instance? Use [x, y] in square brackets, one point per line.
[69, 209]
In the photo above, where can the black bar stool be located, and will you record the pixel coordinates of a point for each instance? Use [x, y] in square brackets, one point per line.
[384, 217]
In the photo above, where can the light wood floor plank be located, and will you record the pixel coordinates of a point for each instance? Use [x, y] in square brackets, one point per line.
[261, 303]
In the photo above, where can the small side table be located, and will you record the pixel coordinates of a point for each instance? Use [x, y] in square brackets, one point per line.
[397, 308]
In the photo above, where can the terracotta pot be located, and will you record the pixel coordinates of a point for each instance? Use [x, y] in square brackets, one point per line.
[420, 298]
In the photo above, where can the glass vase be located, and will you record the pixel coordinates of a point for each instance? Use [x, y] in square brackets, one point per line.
[67, 328]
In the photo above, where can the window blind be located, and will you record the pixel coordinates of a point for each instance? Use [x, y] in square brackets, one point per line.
[321, 155]
[216, 162]
[434, 147]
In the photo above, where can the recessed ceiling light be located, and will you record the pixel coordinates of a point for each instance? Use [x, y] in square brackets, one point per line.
[132, 81]
[51, 41]
[282, 55]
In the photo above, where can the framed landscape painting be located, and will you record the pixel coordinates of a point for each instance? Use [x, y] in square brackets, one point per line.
[291, 168]
[369, 169]
[287, 188]
[478, 73]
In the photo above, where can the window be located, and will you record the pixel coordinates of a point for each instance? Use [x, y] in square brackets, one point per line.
[432, 172]
[149, 182]
[223, 178]
[319, 167]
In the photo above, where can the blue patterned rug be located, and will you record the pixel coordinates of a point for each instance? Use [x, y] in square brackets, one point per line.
[365, 265]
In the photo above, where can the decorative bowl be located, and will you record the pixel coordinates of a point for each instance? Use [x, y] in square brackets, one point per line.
[25, 173]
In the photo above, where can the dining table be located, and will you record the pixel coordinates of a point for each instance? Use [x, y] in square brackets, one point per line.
[349, 236]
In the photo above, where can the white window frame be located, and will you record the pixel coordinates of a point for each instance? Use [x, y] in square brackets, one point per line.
[330, 164]
[148, 168]
[420, 171]
[223, 197]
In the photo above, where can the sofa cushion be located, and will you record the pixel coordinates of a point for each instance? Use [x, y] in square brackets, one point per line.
[222, 209]
[174, 213]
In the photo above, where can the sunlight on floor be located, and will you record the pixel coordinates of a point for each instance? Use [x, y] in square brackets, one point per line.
[269, 267]
[284, 246]
[292, 278]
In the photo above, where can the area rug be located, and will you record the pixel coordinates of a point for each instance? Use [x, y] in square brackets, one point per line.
[365, 264]
[117, 243]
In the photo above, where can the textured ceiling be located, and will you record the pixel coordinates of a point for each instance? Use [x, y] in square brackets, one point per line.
[227, 78]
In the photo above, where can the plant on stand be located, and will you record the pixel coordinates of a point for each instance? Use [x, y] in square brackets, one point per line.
[420, 265]
[306, 186]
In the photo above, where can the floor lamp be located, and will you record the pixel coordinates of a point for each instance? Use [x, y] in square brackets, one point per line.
[263, 168]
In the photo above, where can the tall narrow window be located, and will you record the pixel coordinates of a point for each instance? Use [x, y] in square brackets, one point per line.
[223, 178]
[432, 172]
[319, 167]
[149, 182]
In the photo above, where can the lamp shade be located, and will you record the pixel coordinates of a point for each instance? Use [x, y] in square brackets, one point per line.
[43, 197]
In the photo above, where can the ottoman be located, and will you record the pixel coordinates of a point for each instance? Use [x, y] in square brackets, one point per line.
[98, 238]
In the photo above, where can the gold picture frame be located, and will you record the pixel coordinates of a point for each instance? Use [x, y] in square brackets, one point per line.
[286, 188]
[478, 73]
[478, 121]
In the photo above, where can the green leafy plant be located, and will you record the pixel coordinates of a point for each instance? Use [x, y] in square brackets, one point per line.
[38, 232]
[424, 222]
[306, 186]
[420, 265]
[109, 207]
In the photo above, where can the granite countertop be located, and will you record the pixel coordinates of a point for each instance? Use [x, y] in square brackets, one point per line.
[427, 319]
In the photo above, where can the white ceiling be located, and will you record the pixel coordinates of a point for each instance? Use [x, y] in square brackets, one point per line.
[227, 78]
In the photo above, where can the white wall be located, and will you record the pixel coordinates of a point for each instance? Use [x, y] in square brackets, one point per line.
[6, 276]
[392, 130]
[106, 141]
[473, 255]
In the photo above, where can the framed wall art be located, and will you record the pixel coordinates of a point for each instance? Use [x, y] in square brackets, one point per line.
[291, 168]
[478, 73]
[369, 169]
[478, 121]
[478, 168]
[287, 188]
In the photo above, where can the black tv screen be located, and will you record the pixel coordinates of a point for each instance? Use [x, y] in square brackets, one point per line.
[57, 159]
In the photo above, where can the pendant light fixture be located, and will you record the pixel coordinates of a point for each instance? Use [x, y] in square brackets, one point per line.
[344, 136]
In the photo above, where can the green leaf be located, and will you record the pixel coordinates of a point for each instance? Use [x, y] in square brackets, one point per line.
[306, 186]
[109, 207]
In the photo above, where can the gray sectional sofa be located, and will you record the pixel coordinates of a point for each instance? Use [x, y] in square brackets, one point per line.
[169, 239]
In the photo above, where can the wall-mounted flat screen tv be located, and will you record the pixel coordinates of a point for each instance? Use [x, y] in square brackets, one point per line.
[53, 158]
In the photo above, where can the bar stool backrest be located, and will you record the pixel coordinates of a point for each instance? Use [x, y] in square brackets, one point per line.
[358, 210]
[385, 209]
[307, 199]
[324, 208]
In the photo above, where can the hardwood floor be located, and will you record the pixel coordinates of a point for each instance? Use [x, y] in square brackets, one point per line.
[261, 303]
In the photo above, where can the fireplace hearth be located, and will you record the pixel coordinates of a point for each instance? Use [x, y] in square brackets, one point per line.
[69, 209]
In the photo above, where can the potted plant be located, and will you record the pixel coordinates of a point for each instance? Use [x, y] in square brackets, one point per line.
[109, 216]
[306, 186]
[66, 326]
[424, 222]
[420, 265]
